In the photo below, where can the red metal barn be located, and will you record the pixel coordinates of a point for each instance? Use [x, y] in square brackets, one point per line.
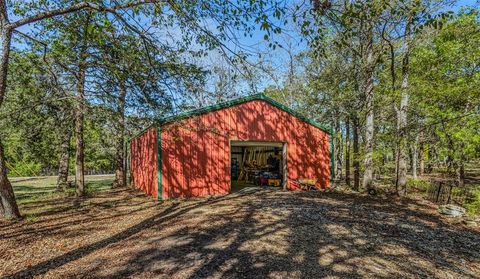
[189, 155]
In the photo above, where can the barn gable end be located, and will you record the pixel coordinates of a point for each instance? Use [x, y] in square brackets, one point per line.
[241, 100]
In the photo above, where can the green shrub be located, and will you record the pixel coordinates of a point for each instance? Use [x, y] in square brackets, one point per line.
[473, 205]
[24, 168]
[418, 183]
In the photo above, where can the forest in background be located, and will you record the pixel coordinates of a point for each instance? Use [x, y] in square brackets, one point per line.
[397, 81]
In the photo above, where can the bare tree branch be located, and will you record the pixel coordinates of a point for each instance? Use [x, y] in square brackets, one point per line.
[77, 7]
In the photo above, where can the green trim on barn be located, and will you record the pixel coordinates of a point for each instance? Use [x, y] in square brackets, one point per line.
[332, 162]
[242, 100]
[159, 164]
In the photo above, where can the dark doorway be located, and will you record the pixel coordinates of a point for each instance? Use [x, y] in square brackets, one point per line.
[257, 164]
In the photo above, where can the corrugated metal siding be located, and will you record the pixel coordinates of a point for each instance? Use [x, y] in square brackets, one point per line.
[144, 162]
[196, 160]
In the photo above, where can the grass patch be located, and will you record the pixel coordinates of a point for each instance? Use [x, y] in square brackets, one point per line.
[35, 189]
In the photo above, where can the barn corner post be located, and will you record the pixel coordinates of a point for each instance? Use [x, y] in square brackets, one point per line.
[332, 158]
[284, 165]
[128, 163]
[159, 163]
[230, 164]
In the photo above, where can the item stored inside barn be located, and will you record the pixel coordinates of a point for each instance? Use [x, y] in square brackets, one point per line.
[257, 163]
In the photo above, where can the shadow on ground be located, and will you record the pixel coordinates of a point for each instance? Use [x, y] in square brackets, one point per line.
[253, 233]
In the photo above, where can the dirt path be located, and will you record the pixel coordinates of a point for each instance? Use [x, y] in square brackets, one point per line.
[249, 234]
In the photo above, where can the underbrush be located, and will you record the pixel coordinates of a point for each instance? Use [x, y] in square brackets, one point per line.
[473, 203]
[418, 184]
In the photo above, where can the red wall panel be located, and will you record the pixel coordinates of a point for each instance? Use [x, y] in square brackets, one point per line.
[196, 150]
[144, 162]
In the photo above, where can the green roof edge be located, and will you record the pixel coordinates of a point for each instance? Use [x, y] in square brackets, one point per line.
[242, 100]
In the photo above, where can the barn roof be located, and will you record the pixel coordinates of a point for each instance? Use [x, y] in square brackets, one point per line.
[231, 103]
[242, 100]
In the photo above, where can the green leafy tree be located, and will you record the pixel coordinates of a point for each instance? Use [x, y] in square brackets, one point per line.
[446, 85]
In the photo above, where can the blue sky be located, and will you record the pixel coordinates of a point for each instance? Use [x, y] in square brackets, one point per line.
[470, 3]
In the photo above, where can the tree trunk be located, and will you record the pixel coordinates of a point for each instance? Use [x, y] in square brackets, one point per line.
[79, 144]
[461, 167]
[5, 40]
[338, 150]
[461, 174]
[402, 156]
[369, 95]
[120, 175]
[430, 158]
[347, 151]
[62, 180]
[414, 158]
[8, 204]
[402, 113]
[356, 161]
[79, 115]
[421, 157]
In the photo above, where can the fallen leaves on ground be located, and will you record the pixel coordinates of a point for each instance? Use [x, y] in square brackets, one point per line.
[254, 233]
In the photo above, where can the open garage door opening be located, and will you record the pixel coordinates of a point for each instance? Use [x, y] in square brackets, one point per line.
[258, 163]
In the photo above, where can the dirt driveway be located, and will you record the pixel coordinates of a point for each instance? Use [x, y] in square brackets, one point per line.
[250, 234]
